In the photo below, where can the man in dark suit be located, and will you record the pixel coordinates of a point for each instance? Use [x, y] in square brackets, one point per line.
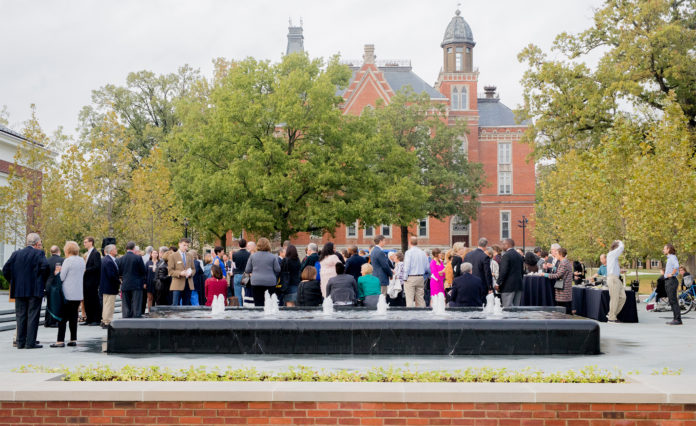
[90, 284]
[109, 283]
[354, 262]
[468, 289]
[133, 273]
[481, 263]
[381, 266]
[510, 275]
[26, 271]
[53, 307]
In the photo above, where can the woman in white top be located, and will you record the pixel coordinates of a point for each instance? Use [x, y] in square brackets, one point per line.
[71, 273]
[327, 261]
[495, 268]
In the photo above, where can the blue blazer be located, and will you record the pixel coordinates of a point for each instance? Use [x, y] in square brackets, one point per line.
[381, 266]
[132, 268]
[27, 271]
[109, 280]
[468, 290]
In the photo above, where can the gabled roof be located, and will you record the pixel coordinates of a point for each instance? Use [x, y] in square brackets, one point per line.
[400, 77]
[493, 113]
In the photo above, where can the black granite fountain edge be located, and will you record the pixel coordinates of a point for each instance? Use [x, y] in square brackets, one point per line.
[166, 308]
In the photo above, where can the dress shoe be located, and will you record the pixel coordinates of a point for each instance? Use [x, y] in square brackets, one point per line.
[57, 345]
[72, 343]
[34, 347]
[93, 324]
[674, 322]
[84, 323]
[105, 326]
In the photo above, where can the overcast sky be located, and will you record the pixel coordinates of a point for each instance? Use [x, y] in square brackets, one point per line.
[55, 52]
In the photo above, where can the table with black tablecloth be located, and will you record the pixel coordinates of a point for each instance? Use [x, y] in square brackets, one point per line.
[594, 303]
[537, 290]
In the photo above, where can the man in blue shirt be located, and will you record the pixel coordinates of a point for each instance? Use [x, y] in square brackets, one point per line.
[416, 265]
[671, 283]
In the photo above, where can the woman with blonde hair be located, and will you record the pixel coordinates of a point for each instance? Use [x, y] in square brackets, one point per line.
[449, 271]
[71, 273]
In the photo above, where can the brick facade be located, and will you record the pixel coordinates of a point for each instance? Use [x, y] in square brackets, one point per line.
[345, 413]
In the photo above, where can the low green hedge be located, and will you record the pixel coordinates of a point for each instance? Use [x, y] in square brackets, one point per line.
[4, 285]
[306, 374]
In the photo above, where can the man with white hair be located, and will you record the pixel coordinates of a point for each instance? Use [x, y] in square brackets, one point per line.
[468, 289]
[312, 256]
[27, 271]
[552, 263]
[146, 256]
[109, 284]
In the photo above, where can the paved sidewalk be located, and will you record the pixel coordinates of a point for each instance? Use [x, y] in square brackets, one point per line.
[647, 346]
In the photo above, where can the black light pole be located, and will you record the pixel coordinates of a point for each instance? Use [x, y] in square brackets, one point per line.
[523, 224]
[186, 228]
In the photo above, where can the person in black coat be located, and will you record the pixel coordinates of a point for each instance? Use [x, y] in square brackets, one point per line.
[354, 263]
[53, 307]
[480, 263]
[309, 289]
[90, 284]
[510, 275]
[133, 273]
[468, 289]
[27, 271]
[162, 294]
[109, 284]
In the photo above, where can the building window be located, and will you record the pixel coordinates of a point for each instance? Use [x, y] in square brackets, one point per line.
[352, 230]
[460, 99]
[423, 227]
[504, 224]
[386, 231]
[504, 168]
[458, 61]
[369, 231]
[654, 264]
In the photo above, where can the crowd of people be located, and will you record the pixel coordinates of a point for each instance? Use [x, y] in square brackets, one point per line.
[83, 288]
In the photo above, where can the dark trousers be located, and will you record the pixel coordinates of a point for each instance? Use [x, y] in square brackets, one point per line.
[671, 286]
[92, 305]
[49, 321]
[69, 315]
[567, 305]
[132, 303]
[27, 311]
[259, 292]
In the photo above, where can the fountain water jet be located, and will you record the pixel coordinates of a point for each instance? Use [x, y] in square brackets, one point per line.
[327, 306]
[439, 305]
[270, 304]
[382, 305]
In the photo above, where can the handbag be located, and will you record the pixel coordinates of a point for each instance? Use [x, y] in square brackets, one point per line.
[559, 284]
[246, 280]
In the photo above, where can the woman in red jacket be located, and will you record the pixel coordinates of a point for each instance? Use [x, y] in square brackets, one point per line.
[215, 285]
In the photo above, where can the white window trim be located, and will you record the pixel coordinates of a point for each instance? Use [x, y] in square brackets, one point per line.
[512, 187]
[500, 220]
[356, 230]
[427, 228]
[365, 232]
[381, 230]
[462, 94]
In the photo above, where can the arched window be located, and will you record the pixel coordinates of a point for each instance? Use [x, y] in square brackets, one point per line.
[464, 103]
[455, 99]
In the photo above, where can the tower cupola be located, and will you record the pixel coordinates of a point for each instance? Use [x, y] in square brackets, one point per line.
[458, 45]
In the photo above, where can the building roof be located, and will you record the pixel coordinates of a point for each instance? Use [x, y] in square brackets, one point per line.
[458, 31]
[9, 131]
[399, 77]
[493, 113]
[295, 40]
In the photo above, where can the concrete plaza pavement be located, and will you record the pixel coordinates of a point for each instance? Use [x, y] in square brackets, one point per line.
[644, 347]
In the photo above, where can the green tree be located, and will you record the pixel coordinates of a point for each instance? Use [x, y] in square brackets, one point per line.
[145, 106]
[438, 181]
[646, 51]
[264, 147]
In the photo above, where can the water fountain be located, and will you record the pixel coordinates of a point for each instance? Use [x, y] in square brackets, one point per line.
[348, 330]
[270, 304]
[439, 305]
[327, 306]
[382, 305]
[218, 305]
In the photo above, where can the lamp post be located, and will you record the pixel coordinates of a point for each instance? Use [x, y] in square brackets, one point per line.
[186, 224]
[523, 224]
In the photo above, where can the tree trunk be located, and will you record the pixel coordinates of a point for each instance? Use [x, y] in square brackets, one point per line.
[691, 263]
[404, 238]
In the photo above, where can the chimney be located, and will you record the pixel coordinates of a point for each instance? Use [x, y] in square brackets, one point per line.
[369, 55]
[490, 92]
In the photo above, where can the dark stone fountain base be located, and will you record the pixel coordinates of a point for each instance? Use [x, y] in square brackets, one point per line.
[370, 336]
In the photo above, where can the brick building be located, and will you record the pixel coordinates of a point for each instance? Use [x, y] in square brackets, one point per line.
[493, 140]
